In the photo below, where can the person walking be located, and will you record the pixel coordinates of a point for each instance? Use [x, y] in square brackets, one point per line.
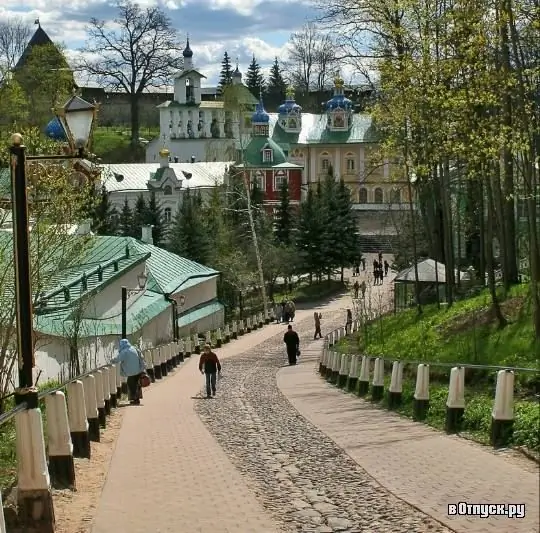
[317, 317]
[356, 287]
[210, 366]
[386, 267]
[375, 271]
[292, 343]
[363, 288]
[363, 264]
[132, 366]
[381, 273]
[348, 323]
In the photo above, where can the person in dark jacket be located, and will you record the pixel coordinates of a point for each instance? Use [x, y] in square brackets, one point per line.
[209, 365]
[386, 268]
[292, 343]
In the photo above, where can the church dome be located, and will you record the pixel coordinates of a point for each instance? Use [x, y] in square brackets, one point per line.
[289, 105]
[55, 130]
[260, 116]
[339, 100]
[187, 50]
[237, 73]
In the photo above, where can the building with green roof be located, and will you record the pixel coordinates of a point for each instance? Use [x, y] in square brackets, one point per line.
[81, 308]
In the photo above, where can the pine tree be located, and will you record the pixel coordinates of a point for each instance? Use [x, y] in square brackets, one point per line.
[255, 78]
[105, 215]
[188, 237]
[154, 217]
[125, 224]
[225, 76]
[348, 244]
[284, 222]
[276, 87]
[139, 216]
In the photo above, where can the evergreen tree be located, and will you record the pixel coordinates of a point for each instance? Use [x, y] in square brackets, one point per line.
[105, 215]
[332, 233]
[349, 242]
[188, 237]
[139, 216]
[154, 217]
[255, 78]
[125, 223]
[276, 87]
[284, 222]
[225, 76]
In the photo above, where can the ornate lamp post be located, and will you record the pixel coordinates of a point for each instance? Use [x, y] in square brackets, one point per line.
[126, 293]
[77, 118]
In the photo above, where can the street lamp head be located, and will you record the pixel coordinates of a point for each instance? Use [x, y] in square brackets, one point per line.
[16, 139]
[182, 300]
[141, 280]
[77, 118]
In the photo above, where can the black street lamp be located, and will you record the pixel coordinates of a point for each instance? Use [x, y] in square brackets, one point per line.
[77, 118]
[126, 293]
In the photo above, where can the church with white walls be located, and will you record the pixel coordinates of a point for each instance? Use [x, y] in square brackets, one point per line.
[193, 129]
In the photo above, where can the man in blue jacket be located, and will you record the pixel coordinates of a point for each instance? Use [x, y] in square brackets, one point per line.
[132, 365]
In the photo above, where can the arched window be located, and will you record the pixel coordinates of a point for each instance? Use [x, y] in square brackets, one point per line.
[379, 195]
[167, 190]
[395, 196]
[350, 162]
[167, 214]
[362, 196]
[325, 161]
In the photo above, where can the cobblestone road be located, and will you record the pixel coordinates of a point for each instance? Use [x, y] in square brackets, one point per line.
[299, 474]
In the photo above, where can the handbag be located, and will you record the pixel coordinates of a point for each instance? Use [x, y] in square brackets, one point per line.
[144, 380]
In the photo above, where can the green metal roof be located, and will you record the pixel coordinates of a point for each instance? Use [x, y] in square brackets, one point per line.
[254, 153]
[199, 313]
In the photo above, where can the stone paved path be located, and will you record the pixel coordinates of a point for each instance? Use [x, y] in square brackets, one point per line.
[424, 467]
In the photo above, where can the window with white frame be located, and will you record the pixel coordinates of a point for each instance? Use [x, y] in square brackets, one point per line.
[267, 155]
[167, 190]
[280, 178]
[350, 162]
[362, 196]
[257, 180]
[325, 161]
[167, 214]
[378, 195]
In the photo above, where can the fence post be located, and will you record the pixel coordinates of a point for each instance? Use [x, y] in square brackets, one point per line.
[363, 380]
[502, 415]
[343, 371]
[100, 398]
[118, 384]
[163, 360]
[377, 386]
[106, 391]
[188, 347]
[234, 334]
[248, 325]
[156, 359]
[90, 402]
[149, 364]
[34, 497]
[455, 403]
[208, 338]
[180, 350]
[421, 392]
[395, 391]
[241, 327]
[227, 333]
[352, 378]
[322, 362]
[112, 386]
[59, 446]
[78, 425]
[219, 338]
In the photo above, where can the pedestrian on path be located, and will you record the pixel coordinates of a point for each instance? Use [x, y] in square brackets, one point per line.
[363, 264]
[317, 317]
[386, 267]
[210, 366]
[292, 343]
[363, 288]
[132, 366]
[356, 287]
[348, 324]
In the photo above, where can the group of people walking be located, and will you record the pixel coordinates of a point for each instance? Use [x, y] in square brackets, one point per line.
[380, 269]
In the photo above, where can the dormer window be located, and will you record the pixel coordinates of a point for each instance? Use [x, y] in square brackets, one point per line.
[268, 155]
[167, 190]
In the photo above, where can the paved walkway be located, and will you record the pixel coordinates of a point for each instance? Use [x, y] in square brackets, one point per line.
[420, 465]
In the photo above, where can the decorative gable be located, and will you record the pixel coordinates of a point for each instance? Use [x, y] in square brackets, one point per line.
[267, 154]
[164, 179]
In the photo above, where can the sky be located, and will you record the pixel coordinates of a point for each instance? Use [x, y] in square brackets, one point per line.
[242, 27]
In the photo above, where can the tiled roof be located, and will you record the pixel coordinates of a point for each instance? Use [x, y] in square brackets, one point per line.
[199, 313]
[137, 175]
[40, 38]
[254, 153]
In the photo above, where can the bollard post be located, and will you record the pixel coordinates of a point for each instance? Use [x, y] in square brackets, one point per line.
[455, 402]
[330, 367]
[335, 368]
[90, 402]
[59, 446]
[187, 347]
[343, 371]
[118, 384]
[78, 424]
[331, 339]
[219, 338]
[100, 397]
[421, 392]
[377, 385]
[227, 334]
[261, 320]
[163, 358]
[234, 334]
[124, 385]
[269, 317]
[149, 362]
[248, 325]
[363, 380]
[172, 356]
[156, 359]
[322, 361]
[208, 338]
[502, 415]
[112, 386]
[196, 344]
[34, 497]
[352, 378]
[241, 329]
[181, 349]
[106, 390]
[395, 391]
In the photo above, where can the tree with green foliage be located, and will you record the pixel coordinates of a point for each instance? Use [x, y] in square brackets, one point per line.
[188, 237]
[348, 242]
[255, 78]
[105, 216]
[14, 107]
[225, 76]
[140, 215]
[126, 221]
[153, 216]
[284, 220]
[276, 87]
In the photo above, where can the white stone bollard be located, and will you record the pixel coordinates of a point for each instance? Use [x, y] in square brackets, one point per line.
[331, 338]
[261, 319]
[421, 392]
[352, 379]
[219, 338]
[34, 497]
[336, 363]
[59, 446]
[106, 390]
[241, 327]
[322, 362]
[234, 329]
[377, 386]
[395, 391]
[112, 386]
[149, 362]
[118, 383]
[227, 333]
[164, 359]
[156, 359]
[455, 402]
[208, 337]
[90, 402]
[363, 379]
[188, 348]
[502, 415]
[181, 350]
[78, 424]
[343, 370]
[248, 325]
[100, 397]
[196, 344]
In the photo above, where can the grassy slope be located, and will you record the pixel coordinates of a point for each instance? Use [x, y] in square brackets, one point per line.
[464, 333]
[112, 145]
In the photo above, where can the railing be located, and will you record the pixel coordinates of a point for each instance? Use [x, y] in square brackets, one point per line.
[76, 417]
[363, 375]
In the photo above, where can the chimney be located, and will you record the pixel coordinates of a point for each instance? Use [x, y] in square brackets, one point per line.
[84, 228]
[147, 235]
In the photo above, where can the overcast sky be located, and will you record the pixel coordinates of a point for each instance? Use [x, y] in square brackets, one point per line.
[242, 27]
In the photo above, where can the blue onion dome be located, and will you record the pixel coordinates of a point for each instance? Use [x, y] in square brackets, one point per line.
[260, 115]
[236, 73]
[289, 105]
[339, 101]
[55, 130]
[187, 50]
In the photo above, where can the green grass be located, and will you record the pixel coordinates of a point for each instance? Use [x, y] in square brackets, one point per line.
[112, 145]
